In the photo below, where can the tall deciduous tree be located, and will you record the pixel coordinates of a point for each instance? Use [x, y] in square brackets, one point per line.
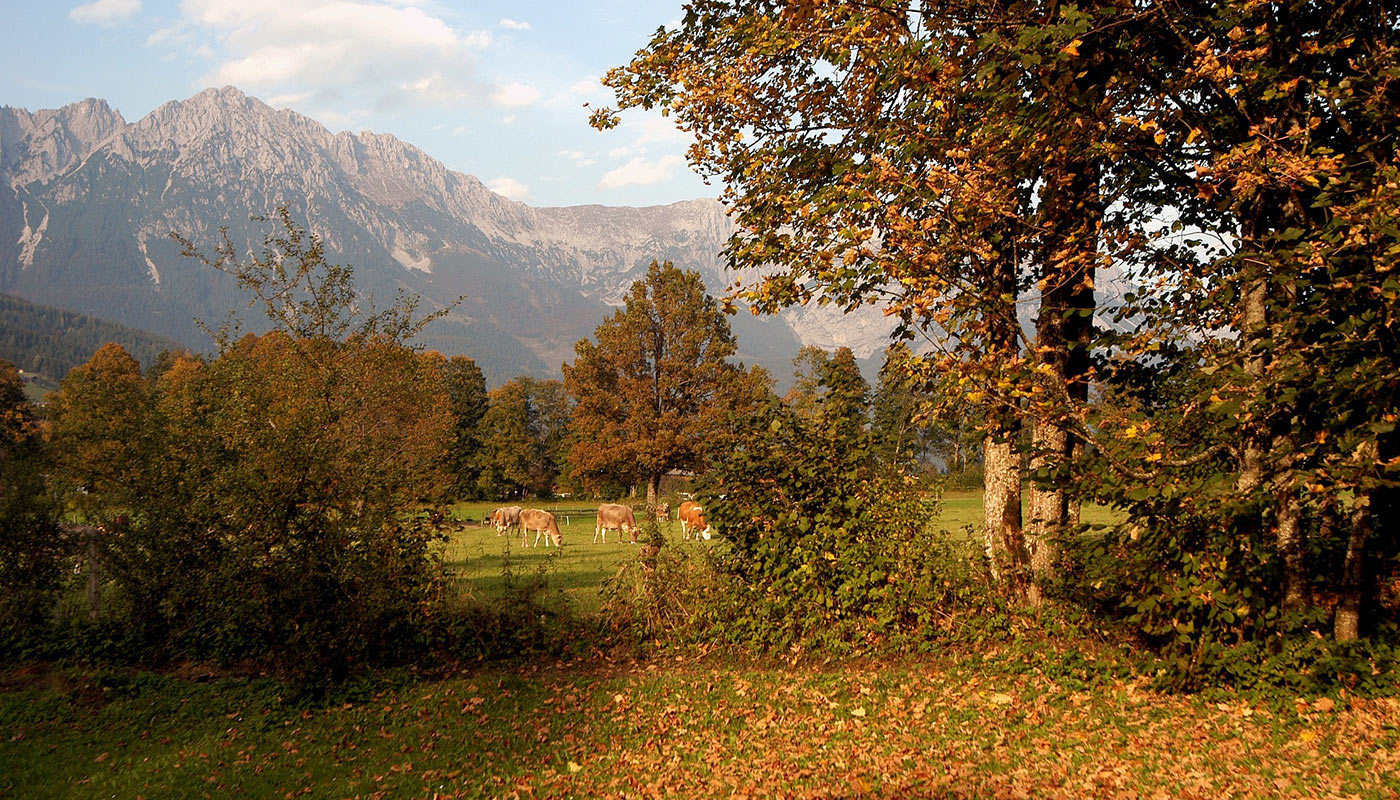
[98, 427]
[653, 392]
[926, 156]
[953, 159]
[1276, 125]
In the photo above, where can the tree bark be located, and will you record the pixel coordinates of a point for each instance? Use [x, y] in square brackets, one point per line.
[1001, 502]
[1063, 333]
[1366, 507]
[653, 491]
[1290, 541]
[1347, 625]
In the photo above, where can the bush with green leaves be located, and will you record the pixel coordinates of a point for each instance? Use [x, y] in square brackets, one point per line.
[32, 552]
[1190, 574]
[829, 548]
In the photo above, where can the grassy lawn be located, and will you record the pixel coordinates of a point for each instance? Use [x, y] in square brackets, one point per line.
[952, 726]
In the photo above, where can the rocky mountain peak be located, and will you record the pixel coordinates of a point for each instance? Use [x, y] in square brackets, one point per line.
[34, 145]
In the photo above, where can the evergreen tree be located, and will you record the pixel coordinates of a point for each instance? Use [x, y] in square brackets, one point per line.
[466, 386]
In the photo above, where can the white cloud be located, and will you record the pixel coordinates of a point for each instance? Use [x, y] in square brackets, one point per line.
[516, 95]
[580, 158]
[105, 12]
[361, 54]
[641, 171]
[619, 153]
[513, 25]
[510, 187]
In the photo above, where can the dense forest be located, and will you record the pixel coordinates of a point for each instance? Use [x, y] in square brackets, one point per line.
[50, 341]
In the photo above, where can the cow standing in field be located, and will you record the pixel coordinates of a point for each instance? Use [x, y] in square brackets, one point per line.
[506, 518]
[663, 512]
[693, 521]
[542, 523]
[613, 517]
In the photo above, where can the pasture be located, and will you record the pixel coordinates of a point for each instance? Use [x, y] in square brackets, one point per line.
[1025, 717]
[483, 562]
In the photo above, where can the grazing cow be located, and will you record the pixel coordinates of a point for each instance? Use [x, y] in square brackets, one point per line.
[613, 517]
[693, 521]
[663, 512]
[541, 522]
[505, 518]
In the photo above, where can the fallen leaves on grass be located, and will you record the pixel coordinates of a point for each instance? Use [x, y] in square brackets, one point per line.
[697, 729]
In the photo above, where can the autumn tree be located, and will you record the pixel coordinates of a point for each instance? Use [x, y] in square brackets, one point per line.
[1273, 127]
[272, 518]
[98, 423]
[944, 159]
[653, 393]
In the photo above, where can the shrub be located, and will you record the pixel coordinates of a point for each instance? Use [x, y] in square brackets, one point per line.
[830, 548]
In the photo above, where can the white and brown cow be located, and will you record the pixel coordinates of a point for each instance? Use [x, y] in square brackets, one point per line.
[506, 518]
[693, 521]
[614, 517]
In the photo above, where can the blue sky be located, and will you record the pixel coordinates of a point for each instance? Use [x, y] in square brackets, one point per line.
[494, 89]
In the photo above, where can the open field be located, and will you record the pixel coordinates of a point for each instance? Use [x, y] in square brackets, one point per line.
[479, 557]
[1017, 724]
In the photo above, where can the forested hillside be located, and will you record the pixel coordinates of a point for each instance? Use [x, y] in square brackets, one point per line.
[51, 341]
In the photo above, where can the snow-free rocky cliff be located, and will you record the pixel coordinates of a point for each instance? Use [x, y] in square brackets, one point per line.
[87, 203]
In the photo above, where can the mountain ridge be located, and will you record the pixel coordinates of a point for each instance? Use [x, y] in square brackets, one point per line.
[89, 200]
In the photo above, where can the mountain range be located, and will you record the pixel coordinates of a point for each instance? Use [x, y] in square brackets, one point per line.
[88, 202]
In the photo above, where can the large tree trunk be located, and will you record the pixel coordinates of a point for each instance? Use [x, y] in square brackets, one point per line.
[1347, 625]
[653, 492]
[1001, 504]
[1291, 542]
[1064, 329]
[1003, 537]
[1367, 507]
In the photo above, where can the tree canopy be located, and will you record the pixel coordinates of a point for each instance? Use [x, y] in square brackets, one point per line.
[1233, 162]
[653, 393]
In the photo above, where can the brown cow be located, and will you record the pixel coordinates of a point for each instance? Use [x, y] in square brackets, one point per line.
[505, 518]
[542, 523]
[613, 517]
[693, 521]
[663, 512]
